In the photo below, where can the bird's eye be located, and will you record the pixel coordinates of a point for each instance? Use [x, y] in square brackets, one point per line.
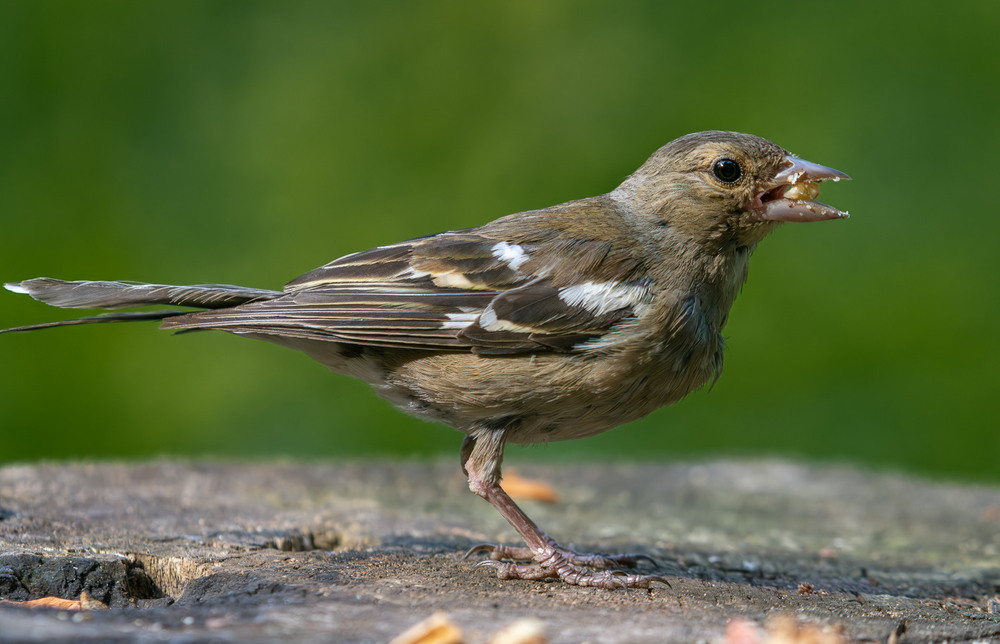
[727, 170]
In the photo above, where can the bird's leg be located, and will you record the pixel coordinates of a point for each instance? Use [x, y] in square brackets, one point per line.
[481, 458]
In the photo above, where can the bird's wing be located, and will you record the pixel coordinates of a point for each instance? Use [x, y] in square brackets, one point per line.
[456, 291]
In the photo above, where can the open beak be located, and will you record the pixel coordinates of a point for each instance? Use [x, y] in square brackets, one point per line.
[792, 192]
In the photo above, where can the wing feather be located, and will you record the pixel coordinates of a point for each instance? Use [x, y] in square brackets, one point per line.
[458, 291]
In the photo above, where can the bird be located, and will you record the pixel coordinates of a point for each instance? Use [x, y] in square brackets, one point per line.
[545, 325]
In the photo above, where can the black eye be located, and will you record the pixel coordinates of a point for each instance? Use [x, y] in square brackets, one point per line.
[727, 170]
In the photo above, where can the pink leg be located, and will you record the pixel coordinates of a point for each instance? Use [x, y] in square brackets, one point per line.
[481, 460]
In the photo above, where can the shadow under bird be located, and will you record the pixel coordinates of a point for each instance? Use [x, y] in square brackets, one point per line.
[546, 325]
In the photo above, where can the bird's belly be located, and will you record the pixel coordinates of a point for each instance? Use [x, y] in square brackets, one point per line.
[534, 399]
[543, 399]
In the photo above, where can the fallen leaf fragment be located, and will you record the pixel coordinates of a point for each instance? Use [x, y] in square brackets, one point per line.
[782, 630]
[86, 602]
[742, 631]
[786, 630]
[522, 489]
[47, 602]
[527, 630]
[436, 629]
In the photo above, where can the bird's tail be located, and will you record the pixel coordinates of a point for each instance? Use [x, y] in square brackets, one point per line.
[87, 294]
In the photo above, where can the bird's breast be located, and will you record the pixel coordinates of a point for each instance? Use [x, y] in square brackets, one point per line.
[656, 360]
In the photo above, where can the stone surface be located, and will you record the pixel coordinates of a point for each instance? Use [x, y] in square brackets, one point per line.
[358, 552]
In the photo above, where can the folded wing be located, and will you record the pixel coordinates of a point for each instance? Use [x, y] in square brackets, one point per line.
[458, 291]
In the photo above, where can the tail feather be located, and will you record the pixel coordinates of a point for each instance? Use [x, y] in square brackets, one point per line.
[131, 316]
[87, 294]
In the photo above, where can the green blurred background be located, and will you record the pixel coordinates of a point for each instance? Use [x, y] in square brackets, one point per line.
[247, 142]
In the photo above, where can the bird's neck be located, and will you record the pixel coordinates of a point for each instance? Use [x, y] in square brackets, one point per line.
[712, 272]
[718, 279]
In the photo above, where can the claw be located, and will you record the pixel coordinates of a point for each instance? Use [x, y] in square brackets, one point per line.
[498, 552]
[658, 578]
[487, 563]
[479, 547]
[638, 558]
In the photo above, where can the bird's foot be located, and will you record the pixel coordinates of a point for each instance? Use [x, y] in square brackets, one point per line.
[556, 565]
[497, 552]
[569, 566]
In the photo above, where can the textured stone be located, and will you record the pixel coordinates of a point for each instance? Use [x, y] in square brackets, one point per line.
[358, 552]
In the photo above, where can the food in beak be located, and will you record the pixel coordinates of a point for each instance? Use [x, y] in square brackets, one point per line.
[805, 191]
[792, 194]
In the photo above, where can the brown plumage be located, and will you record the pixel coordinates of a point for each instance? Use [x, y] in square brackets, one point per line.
[540, 326]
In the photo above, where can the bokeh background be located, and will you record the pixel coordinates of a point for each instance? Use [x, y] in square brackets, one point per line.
[249, 141]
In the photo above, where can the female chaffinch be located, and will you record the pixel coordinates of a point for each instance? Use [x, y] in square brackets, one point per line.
[545, 325]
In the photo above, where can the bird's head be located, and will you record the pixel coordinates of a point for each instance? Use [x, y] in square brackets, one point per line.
[727, 187]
